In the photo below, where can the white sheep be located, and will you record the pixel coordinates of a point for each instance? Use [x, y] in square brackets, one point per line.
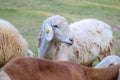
[108, 61]
[92, 39]
[12, 44]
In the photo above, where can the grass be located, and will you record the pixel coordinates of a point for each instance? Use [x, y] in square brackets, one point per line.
[28, 15]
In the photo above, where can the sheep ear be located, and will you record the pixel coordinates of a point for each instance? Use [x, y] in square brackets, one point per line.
[48, 32]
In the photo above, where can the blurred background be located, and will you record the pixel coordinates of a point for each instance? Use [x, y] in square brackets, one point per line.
[28, 15]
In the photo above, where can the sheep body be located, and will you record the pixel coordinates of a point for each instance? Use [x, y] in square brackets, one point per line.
[12, 44]
[92, 39]
[39, 69]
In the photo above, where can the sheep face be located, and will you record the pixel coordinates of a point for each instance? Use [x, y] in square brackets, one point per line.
[57, 27]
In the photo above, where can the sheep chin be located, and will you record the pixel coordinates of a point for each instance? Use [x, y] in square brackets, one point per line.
[68, 43]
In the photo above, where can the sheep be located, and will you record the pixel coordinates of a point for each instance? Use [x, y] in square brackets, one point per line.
[108, 61]
[86, 40]
[22, 68]
[12, 44]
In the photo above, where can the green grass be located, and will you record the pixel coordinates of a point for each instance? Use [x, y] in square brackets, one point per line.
[28, 15]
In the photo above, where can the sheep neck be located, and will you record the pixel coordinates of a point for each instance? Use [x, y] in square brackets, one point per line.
[52, 50]
[46, 48]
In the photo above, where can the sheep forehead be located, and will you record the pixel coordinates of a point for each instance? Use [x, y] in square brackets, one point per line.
[57, 20]
[111, 59]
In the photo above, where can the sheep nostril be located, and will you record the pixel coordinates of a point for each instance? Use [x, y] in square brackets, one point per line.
[71, 39]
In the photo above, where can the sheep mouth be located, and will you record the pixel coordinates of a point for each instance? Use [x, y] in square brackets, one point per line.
[68, 44]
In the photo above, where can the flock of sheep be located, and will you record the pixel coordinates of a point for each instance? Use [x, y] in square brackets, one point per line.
[80, 42]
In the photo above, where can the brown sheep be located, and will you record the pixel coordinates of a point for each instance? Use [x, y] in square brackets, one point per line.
[39, 69]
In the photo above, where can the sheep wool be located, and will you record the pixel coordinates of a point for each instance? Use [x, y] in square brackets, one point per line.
[12, 44]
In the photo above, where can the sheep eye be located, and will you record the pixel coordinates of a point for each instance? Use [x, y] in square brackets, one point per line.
[55, 26]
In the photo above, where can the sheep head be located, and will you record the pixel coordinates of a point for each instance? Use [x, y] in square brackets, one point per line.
[108, 61]
[57, 27]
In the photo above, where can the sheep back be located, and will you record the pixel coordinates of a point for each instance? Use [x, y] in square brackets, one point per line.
[93, 34]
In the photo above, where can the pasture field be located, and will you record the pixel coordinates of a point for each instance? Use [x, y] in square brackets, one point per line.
[28, 15]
